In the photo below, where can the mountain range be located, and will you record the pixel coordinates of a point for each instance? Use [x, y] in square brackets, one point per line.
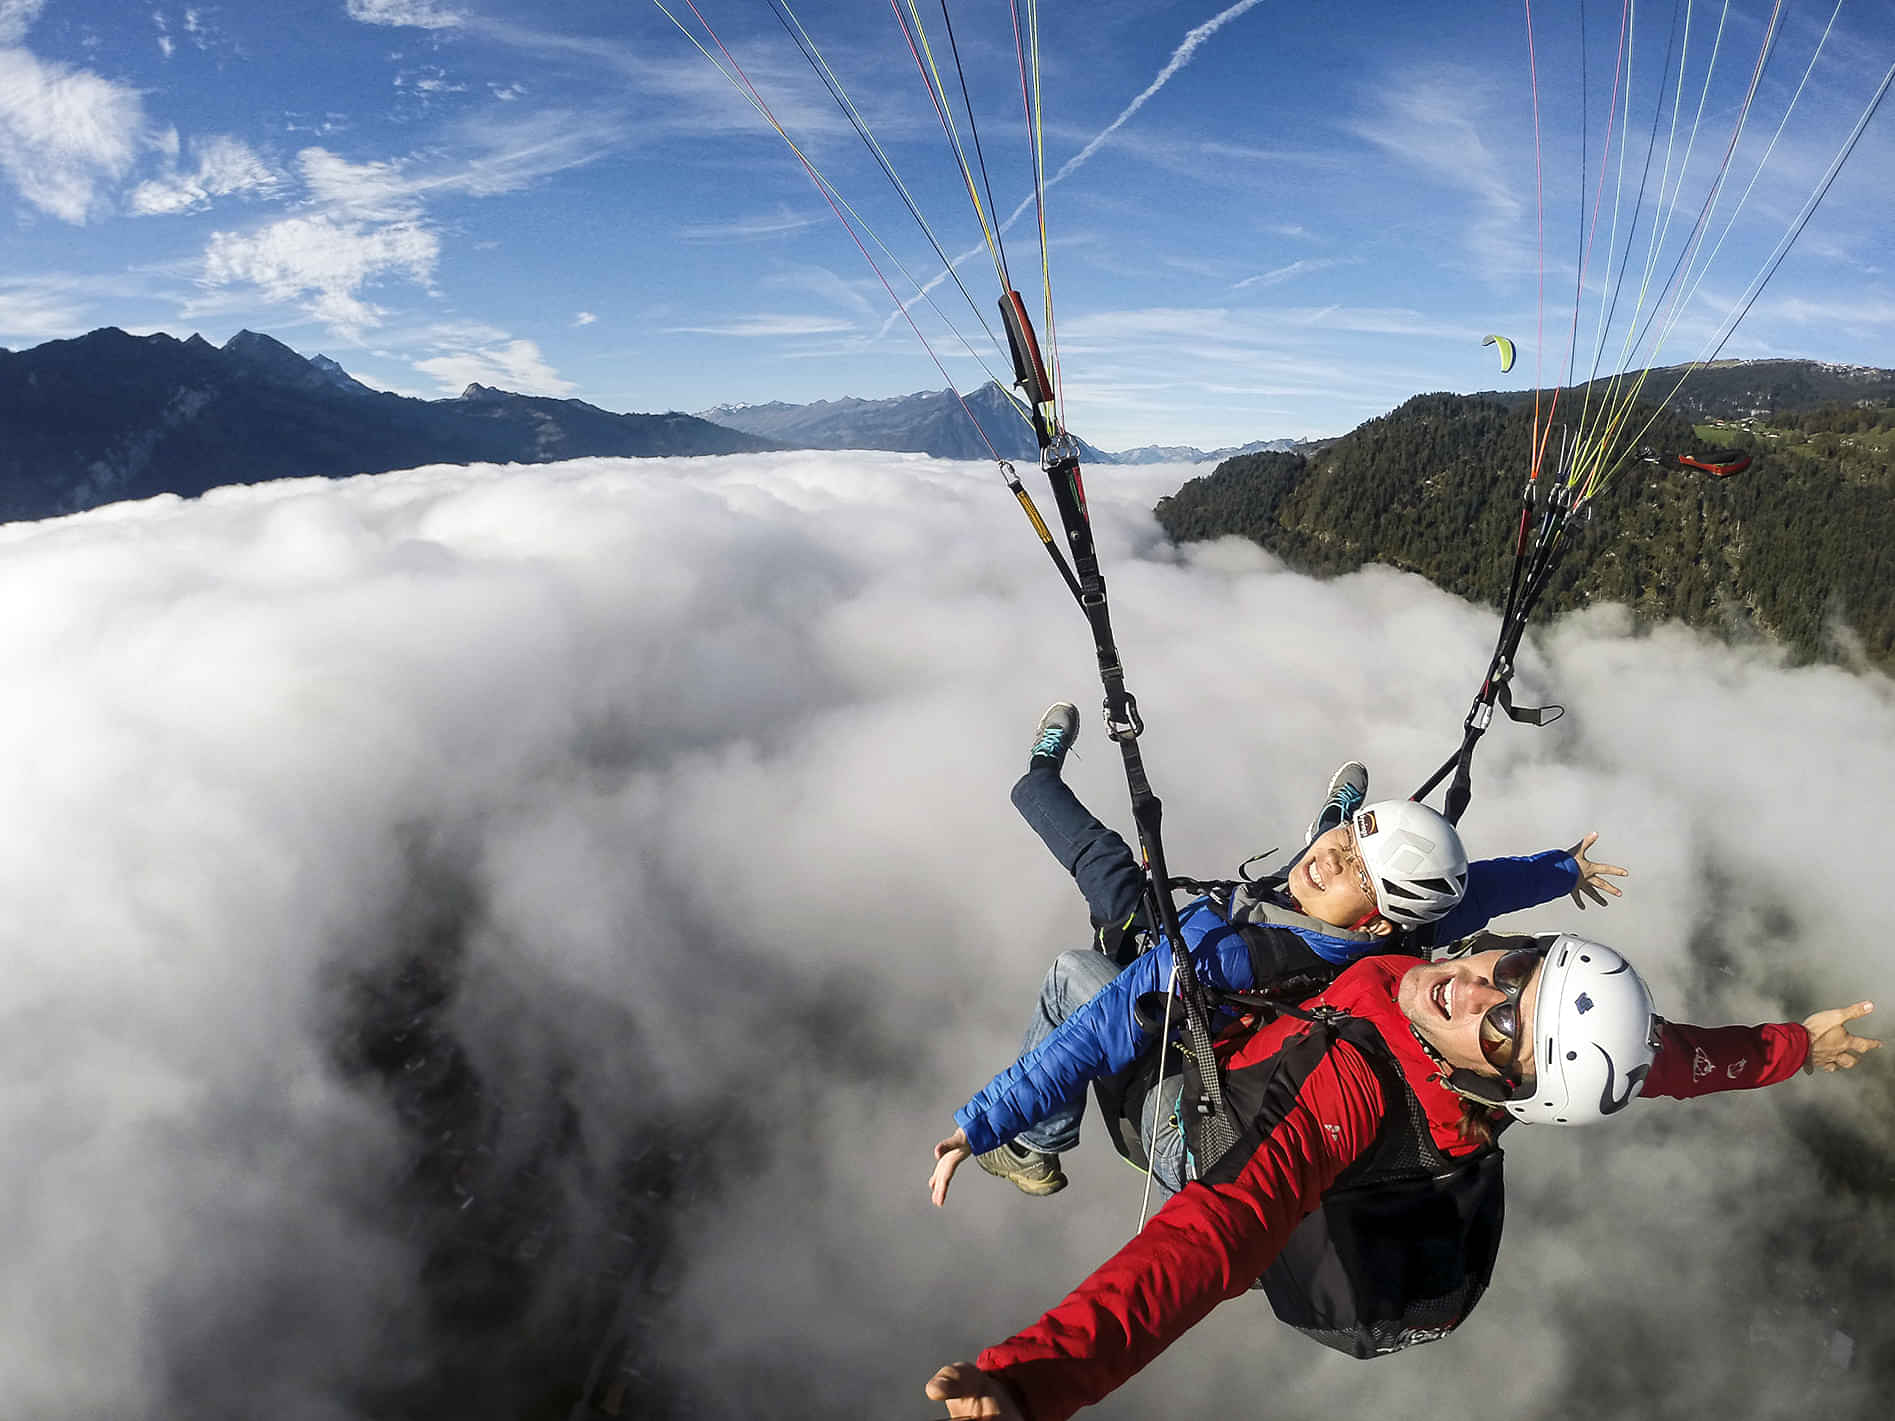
[932, 422]
[110, 416]
[928, 422]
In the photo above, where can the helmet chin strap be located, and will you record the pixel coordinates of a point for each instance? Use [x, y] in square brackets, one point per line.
[1469, 1085]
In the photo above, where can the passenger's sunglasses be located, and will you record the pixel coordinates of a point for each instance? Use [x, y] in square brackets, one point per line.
[1501, 1026]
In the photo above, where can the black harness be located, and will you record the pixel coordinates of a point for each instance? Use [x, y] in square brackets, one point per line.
[1403, 1244]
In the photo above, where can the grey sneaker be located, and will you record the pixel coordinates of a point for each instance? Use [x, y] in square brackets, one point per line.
[1030, 1171]
[1348, 787]
[1057, 731]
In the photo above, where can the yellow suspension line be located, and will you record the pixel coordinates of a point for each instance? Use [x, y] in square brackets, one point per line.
[1756, 284]
[1038, 138]
[1623, 400]
[1688, 285]
[1607, 288]
[1655, 246]
[831, 192]
[938, 92]
[914, 207]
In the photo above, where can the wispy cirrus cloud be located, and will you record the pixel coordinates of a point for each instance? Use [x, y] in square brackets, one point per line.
[44, 308]
[1437, 122]
[412, 14]
[782, 223]
[371, 222]
[67, 136]
[381, 190]
[224, 166]
[488, 159]
[324, 263]
[517, 365]
[768, 327]
[1805, 311]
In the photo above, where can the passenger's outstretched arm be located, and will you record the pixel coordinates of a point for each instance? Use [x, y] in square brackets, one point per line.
[1496, 887]
[1595, 879]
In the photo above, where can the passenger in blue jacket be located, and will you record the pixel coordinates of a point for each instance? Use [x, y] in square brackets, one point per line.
[1391, 876]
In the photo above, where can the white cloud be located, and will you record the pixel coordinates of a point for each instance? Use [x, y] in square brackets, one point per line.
[1438, 121]
[515, 365]
[637, 758]
[768, 327]
[225, 166]
[782, 222]
[66, 135]
[375, 191]
[1805, 311]
[494, 159]
[324, 263]
[17, 17]
[428, 82]
[45, 309]
[584, 318]
[418, 14]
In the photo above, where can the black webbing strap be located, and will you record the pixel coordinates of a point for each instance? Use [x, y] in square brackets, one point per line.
[1532, 568]
[1059, 456]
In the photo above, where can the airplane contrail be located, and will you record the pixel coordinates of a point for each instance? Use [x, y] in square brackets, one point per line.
[1181, 56]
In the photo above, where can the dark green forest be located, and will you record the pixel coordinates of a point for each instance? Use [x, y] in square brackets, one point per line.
[1797, 547]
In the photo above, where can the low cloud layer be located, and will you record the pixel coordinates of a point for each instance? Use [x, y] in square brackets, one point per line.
[460, 914]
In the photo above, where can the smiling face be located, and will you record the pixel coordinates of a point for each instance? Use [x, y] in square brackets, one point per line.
[1445, 1002]
[1330, 884]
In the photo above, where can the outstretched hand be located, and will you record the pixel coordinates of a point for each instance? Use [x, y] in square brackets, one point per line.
[1592, 876]
[970, 1392]
[949, 1155]
[1832, 1045]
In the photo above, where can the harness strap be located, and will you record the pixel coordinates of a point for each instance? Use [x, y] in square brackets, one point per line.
[1060, 459]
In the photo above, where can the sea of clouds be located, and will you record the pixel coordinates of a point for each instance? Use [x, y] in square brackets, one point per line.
[690, 777]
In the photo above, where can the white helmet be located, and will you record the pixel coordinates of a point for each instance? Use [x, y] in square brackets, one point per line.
[1595, 1036]
[1414, 858]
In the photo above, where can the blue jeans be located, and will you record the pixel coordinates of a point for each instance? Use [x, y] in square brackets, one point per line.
[1112, 882]
[1074, 979]
[1101, 863]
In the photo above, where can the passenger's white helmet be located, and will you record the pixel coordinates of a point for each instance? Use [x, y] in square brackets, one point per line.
[1414, 858]
[1595, 1036]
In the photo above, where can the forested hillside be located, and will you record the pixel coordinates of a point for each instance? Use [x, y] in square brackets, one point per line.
[1797, 546]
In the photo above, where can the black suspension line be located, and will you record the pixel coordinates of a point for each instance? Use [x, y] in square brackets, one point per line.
[980, 158]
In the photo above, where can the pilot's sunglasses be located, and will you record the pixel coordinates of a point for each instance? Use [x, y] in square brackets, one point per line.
[1501, 1025]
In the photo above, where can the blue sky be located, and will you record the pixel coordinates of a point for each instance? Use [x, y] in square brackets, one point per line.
[1303, 215]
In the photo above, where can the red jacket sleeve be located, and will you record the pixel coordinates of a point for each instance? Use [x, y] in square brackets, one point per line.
[1700, 1060]
[1208, 1243]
